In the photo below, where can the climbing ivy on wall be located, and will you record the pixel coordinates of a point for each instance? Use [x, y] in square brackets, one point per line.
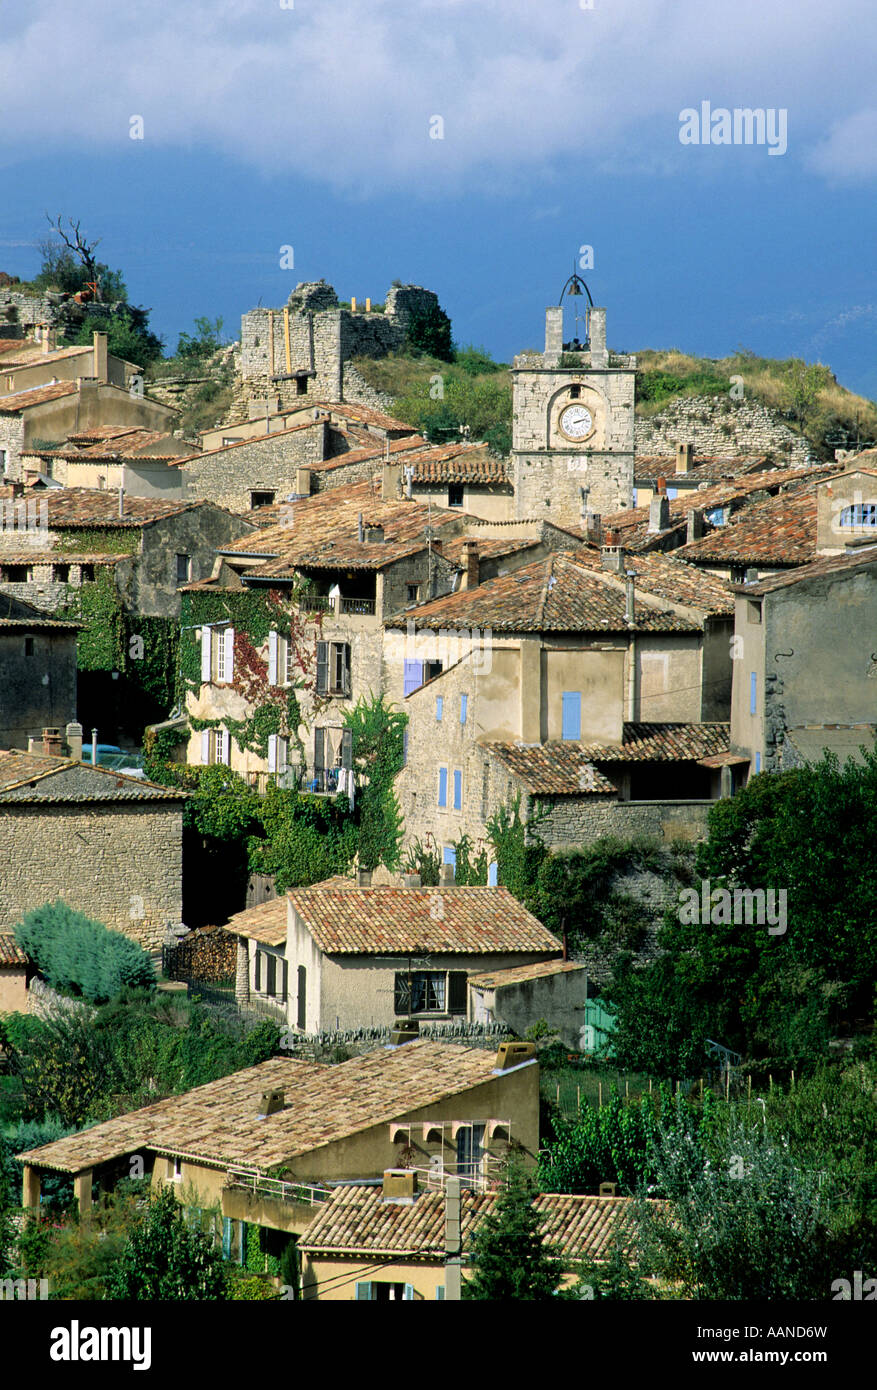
[98, 539]
[101, 643]
[377, 738]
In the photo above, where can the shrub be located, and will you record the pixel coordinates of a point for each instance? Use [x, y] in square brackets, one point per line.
[75, 953]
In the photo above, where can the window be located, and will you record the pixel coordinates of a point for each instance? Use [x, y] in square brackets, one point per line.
[86, 574]
[17, 574]
[270, 974]
[464, 706]
[333, 668]
[261, 499]
[716, 516]
[183, 568]
[492, 875]
[672, 494]
[455, 495]
[413, 593]
[753, 610]
[3, 460]
[377, 1291]
[278, 753]
[758, 762]
[223, 643]
[301, 386]
[571, 714]
[420, 992]
[449, 855]
[861, 514]
[431, 669]
[302, 997]
[61, 574]
[458, 789]
[176, 1169]
[413, 676]
[457, 991]
[439, 706]
[443, 787]
[575, 392]
[28, 646]
[753, 692]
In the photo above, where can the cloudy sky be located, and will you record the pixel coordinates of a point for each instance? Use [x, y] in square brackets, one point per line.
[469, 145]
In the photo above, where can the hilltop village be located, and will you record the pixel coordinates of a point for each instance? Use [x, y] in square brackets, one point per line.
[389, 759]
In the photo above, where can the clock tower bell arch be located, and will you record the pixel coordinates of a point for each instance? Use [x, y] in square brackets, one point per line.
[573, 424]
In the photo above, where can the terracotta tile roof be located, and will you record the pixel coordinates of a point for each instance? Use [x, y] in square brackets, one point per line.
[364, 414]
[669, 578]
[56, 557]
[551, 595]
[381, 921]
[460, 463]
[709, 468]
[321, 532]
[267, 921]
[633, 524]
[357, 1221]
[11, 953]
[859, 557]
[111, 445]
[85, 506]
[36, 777]
[32, 355]
[370, 449]
[778, 531]
[489, 548]
[38, 395]
[568, 768]
[516, 974]
[217, 1124]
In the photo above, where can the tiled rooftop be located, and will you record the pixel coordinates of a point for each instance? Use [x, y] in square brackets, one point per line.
[36, 777]
[218, 1123]
[267, 921]
[111, 445]
[859, 557]
[708, 468]
[779, 531]
[11, 953]
[38, 395]
[569, 768]
[554, 594]
[82, 506]
[518, 974]
[357, 1221]
[670, 578]
[381, 921]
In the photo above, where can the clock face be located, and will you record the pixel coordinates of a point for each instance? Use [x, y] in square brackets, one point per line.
[576, 422]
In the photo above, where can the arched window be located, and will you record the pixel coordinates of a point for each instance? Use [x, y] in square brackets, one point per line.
[860, 514]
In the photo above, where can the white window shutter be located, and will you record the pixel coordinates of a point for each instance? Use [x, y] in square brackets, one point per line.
[228, 639]
[272, 748]
[272, 658]
[224, 747]
[205, 655]
[205, 747]
[282, 754]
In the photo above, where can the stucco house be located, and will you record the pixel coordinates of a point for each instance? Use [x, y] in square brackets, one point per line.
[351, 957]
[14, 972]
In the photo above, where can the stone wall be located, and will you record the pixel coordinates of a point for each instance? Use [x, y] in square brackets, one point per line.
[722, 426]
[356, 389]
[38, 688]
[574, 821]
[11, 444]
[121, 863]
[27, 310]
[228, 476]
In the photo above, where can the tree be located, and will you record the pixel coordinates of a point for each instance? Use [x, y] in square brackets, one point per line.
[429, 332]
[377, 733]
[206, 340]
[164, 1259]
[508, 1256]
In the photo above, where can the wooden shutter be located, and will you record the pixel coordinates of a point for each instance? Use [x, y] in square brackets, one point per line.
[458, 789]
[285, 980]
[258, 976]
[402, 994]
[413, 678]
[439, 706]
[205, 747]
[443, 787]
[228, 639]
[322, 668]
[457, 991]
[364, 1290]
[272, 752]
[347, 749]
[206, 668]
[319, 749]
[270, 974]
[302, 1001]
[273, 677]
[344, 664]
[571, 714]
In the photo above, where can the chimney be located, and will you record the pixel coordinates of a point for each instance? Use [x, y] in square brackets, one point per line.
[554, 332]
[471, 565]
[512, 1054]
[659, 509]
[446, 876]
[612, 554]
[684, 457]
[74, 740]
[608, 1189]
[391, 481]
[363, 878]
[47, 336]
[411, 880]
[99, 354]
[630, 598]
[52, 743]
[270, 1102]
[593, 527]
[694, 528]
[399, 1185]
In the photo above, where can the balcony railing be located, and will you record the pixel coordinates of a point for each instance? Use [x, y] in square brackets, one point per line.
[316, 603]
[306, 1193]
[364, 606]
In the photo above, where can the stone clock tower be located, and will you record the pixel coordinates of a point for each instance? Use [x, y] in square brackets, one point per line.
[572, 434]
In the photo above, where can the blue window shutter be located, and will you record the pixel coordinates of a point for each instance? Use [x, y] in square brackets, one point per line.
[493, 875]
[571, 714]
[413, 676]
[758, 762]
[439, 1292]
[439, 706]
[443, 786]
[363, 1290]
[753, 689]
[458, 789]
[227, 1227]
[672, 494]
[464, 701]
[449, 855]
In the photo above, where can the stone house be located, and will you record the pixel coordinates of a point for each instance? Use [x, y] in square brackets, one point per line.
[33, 364]
[109, 845]
[137, 460]
[686, 473]
[374, 1244]
[264, 1143]
[363, 957]
[555, 992]
[47, 415]
[14, 973]
[568, 653]
[38, 662]
[326, 577]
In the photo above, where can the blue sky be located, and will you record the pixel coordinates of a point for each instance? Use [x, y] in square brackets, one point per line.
[309, 124]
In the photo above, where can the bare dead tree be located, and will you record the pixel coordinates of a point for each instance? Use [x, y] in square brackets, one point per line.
[82, 249]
